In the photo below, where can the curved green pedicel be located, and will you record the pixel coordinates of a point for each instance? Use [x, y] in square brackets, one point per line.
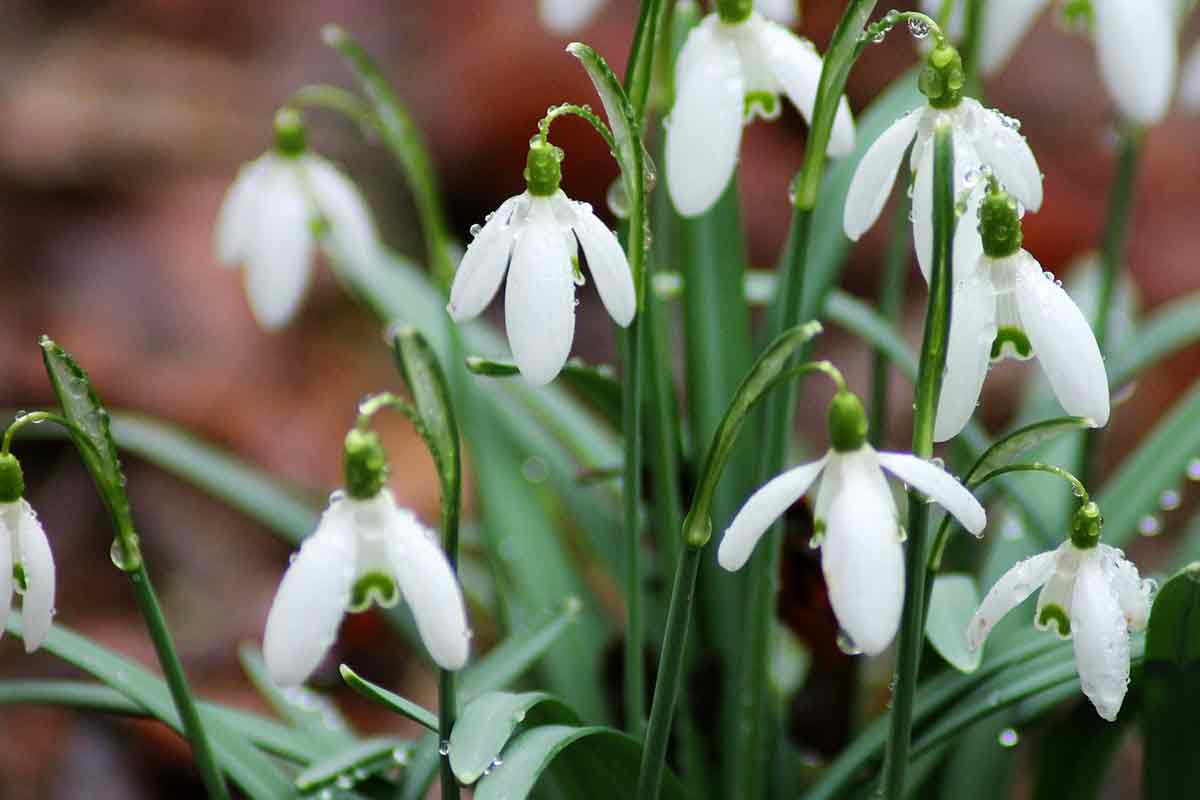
[374, 587]
[943, 78]
[1011, 341]
[1054, 615]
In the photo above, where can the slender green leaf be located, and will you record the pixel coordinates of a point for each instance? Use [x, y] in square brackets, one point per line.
[597, 384]
[1075, 754]
[953, 601]
[1172, 687]
[1170, 328]
[510, 659]
[354, 764]
[486, 723]
[389, 700]
[310, 713]
[618, 110]
[1008, 448]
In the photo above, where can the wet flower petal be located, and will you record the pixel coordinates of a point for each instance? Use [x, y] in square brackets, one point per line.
[431, 591]
[876, 174]
[37, 605]
[607, 264]
[1101, 639]
[939, 485]
[483, 265]
[968, 355]
[539, 303]
[1022, 580]
[762, 509]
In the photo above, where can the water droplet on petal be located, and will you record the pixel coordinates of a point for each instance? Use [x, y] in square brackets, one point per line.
[475, 229]
[444, 747]
[846, 644]
[918, 27]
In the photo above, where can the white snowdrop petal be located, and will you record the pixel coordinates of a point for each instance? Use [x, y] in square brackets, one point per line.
[922, 208]
[1189, 81]
[968, 244]
[6, 565]
[1063, 342]
[1007, 152]
[968, 353]
[235, 220]
[431, 591]
[862, 558]
[1101, 639]
[608, 266]
[345, 210]
[483, 265]
[1004, 24]
[831, 481]
[762, 509]
[311, 600]
[797, 67]
[1022, 580]
[1138, 54]
[1125, 581]
[279, 256]
[941, 486]
[876, 174]
[781, 11]
[539, 302]
[705, 127]
[37, 605]
[567, 16]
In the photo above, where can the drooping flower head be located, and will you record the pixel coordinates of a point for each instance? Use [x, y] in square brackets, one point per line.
[1003, 305]
[732, 68]
[535, 238]
[269, 222]
[985, 143]
[1091, 594]
[857, 525]
[26, 563]
[365, 550]
[1135, 44]
[568, 16]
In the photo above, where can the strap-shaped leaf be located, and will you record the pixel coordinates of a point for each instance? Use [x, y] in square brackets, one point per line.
[1008, 448]
[390, 700]
[596, 383]
[486, 723]
[618, 110]
[354, 764]
[951, 604]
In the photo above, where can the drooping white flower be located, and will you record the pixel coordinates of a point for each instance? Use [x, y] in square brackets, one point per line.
[363, 551]
[1003, 305]
[1189, 81]
[268, 222]
[857, 522]
[535, 237]
[568, 16]
[1091, 594]
[727, 73]
[1135, 44]
[27, 565]
[985, 142]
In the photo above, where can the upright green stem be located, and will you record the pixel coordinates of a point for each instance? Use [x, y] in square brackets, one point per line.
[891, 297]
[973, 29]
[928, 387]
[447, 700]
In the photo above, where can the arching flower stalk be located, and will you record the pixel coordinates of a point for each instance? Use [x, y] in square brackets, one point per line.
[732, 68]
[1091, 594]
[1005, 306]
[366, 550]
[857, 525]
[26, 563]
[273, 214]
[985, 143]
[535, 238]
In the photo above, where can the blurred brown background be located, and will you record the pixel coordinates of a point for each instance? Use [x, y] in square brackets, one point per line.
[122, 123]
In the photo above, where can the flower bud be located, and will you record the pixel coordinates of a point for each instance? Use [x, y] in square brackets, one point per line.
[1085, 526]
[12, 480]
[365, 464]
[543, 168]
[943, 77]
[999, 223]
[289, 132]
[847, 422]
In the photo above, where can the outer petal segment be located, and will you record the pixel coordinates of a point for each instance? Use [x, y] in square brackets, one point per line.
[607, 263]
[482, 268]
[1063, 342]
[431, 591]
[539, 304]
[1101, 640]
[344, 208]
[1132, 594]
[1136, 46]
[37, 606]
[1025, 577]
[968, 355]
[279, 254]
[762, 509]
[876, 174]
[1003, 26]
[8, 518]
[235, 221]
[940, 485]
[705, 126]
[1000, 145]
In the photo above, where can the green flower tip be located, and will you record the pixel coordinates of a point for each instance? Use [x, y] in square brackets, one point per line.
[365, 464]
[1054, 615]
[12, 479]
[847, 422]
[289, 132]
[943, 77]
[734, 11]
[374, 587]
[999, 223]
[1086, 525]
[543, 168]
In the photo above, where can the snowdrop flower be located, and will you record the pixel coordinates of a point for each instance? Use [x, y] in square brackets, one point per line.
[857, 525]
[1002, 306]
[365, 549]
[1135, 44]
[985, 142]
[1091, 594]
[535, 237]
[568, 16]
[25, 558]
[1189, 82]
[732, 68]
[269, 221]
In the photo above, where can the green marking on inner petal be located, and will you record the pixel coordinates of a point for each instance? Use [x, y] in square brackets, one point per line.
[576, 271]
[764, 104]
[1011, 342]
[1079, 15]
[19, 578]
[1056, 614]
[373, 587]
[818, 535]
